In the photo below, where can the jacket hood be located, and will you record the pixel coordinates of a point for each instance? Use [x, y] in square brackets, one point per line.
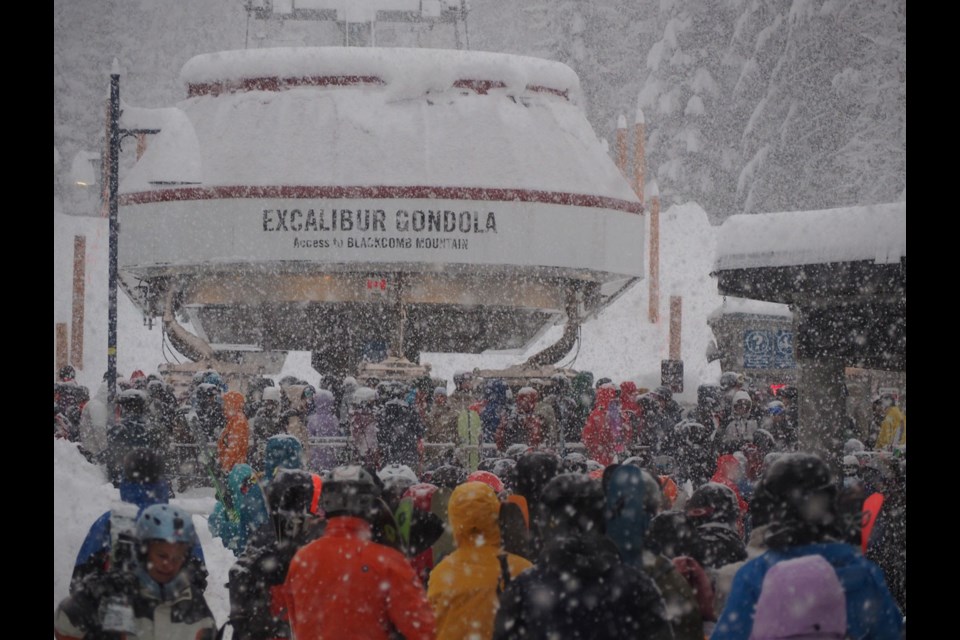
[586, 555]
[474, 513]
[233, 402]
[145, 494]
[240, 474]
[605, 395]
[582, 381]
[282, 451]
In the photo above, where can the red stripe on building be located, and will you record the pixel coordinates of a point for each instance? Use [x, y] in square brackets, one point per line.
[381, 192]
[274, 83]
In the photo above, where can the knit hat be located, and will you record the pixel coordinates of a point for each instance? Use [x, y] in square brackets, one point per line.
[801, 599]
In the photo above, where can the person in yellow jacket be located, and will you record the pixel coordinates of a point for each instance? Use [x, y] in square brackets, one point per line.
[893, 429]
[464, 588]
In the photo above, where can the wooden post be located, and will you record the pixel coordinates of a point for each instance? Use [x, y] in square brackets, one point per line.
[622, 144]
[654, 309]
[676, 322]
[639, 161]
[60, 344]
[76, 320]
[141, 144]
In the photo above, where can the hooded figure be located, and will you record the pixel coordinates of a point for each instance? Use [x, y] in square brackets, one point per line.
[893, 428]
[294, 419]
[282, 452]
[494, 408]
[579, 588]
[741, 425]
[235, 437]
[713, 510]
[94, 422]
[322, 422]
[633, 498]
[606, 435]
[247, 511]
[464, 587]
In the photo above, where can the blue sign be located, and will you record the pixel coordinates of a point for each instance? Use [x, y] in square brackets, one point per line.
[768, 349]
[783, 350]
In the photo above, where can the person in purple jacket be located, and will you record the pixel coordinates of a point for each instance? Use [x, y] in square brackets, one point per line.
[322, 422]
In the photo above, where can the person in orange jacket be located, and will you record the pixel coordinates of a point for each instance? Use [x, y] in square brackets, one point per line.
[346, 585]
[235, 437]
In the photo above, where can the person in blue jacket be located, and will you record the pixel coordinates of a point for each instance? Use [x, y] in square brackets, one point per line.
[797, 494]
[246, 512]
[143, 484]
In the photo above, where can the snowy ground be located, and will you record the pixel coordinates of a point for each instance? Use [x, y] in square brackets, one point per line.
[82, 493]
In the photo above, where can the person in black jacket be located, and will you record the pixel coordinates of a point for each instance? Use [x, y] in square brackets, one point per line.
[579, 588]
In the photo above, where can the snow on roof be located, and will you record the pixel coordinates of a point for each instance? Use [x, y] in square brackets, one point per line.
[873, 232]
[414, 129]
[744, 306]
[414, 71]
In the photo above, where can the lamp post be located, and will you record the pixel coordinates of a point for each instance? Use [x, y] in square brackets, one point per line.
[116, 135]
[114, 147]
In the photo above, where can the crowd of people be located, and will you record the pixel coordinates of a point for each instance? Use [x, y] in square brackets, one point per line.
[559, 508]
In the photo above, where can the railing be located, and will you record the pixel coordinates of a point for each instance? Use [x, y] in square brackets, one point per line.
[186, 467]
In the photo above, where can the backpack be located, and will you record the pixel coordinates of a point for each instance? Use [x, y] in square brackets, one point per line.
[801, 597]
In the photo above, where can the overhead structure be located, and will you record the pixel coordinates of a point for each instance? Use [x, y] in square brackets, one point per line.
[844, 274]
[364, 202]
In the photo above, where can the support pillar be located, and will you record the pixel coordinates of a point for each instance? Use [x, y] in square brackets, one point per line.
[61, 345]
[76, 320]
[822, 407]
[676, 324]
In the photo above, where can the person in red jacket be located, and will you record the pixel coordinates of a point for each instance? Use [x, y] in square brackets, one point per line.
[606, 435]
[345, 585]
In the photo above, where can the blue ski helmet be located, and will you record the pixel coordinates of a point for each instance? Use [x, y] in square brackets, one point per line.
[167, 523]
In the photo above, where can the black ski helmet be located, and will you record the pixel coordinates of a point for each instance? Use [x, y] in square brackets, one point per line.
[143, 466]
[533, 471]
[672, 534]
[730, 379]
[349, 491]
[448, 476]
[798, 488]
[572, 502]
[713, 503]
[293, 492]
[133, 402]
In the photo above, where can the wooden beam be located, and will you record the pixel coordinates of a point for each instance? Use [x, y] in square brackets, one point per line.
[61, 342]
[76, 320]
[622, 145]
[639, 159]
[676, 322]
[654, 306]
